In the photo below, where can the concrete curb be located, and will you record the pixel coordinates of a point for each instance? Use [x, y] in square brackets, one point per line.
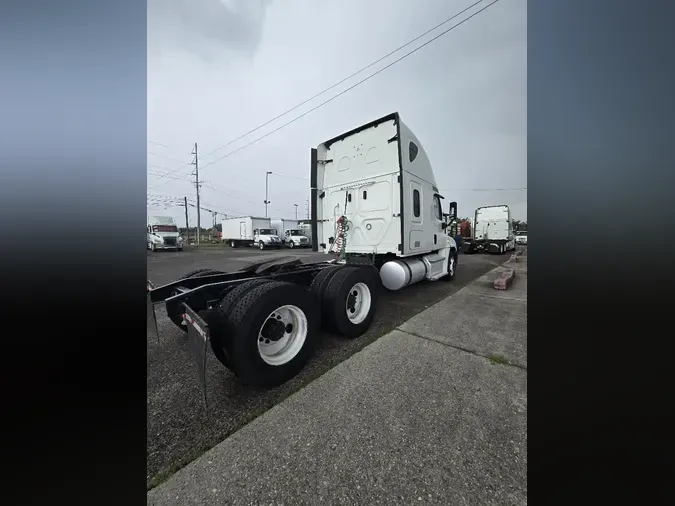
[504, 279]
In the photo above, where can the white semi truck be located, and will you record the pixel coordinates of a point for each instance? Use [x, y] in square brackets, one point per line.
[290, 233]
[376, 213]
[250, 231]
[378, 202]
[162, 234]
[493, 230]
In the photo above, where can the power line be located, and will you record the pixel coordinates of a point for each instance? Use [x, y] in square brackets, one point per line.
[358, 83]
[163, 175]
[290, 177]
[233, 193]
[158, 144]
[482, 189]
[169, 174]
[342, 81]
[168, 157]
[179, 201]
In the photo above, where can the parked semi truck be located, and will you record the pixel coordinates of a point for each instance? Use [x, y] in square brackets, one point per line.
[493, 230]
[250, 231]
[376, 214]
[162, 234]
[290, 233]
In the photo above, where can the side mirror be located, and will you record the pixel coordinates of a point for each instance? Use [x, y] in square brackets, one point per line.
[452, 214]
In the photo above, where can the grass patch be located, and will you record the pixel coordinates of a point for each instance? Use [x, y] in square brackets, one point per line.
[498, 359]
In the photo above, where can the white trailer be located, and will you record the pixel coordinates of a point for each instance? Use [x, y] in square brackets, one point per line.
[493, 230]
[250, 231]
[290, 233]
[162, 234]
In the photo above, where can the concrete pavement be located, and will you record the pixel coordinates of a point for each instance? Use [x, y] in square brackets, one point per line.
[435, 412]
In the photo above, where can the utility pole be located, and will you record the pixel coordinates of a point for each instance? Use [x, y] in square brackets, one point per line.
[296, 212]
[307, 207]
[187, 223]
[195, 162]
[267, 177]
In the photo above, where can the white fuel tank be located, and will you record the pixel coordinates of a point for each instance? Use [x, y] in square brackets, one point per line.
[397, 274]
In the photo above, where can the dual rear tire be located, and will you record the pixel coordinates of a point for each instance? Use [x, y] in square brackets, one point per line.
[348, 298]
[266, 330]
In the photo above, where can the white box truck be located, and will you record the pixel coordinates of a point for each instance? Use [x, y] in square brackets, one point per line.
[376, 213]
[250, 231]
[306, 230]
[290, 233]
[162, 234]
[493, 230]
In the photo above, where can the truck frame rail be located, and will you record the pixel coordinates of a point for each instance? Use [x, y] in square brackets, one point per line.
[262, 304]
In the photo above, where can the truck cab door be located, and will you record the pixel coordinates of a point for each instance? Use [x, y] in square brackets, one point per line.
[416, 240]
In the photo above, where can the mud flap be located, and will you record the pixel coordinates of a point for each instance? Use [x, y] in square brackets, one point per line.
[152, 319]
[197, 339]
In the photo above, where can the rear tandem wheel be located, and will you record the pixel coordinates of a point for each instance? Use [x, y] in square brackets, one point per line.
[271, 331]
[218, 320]
[349, 300]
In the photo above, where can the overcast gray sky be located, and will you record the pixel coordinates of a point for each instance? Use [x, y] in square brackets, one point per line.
[219, 68]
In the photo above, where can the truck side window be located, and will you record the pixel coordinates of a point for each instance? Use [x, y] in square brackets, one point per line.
[437, 208]
[412, 151]
[416, 203]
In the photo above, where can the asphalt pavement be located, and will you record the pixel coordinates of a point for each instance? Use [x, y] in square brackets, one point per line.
[179, 428]
[434, 412]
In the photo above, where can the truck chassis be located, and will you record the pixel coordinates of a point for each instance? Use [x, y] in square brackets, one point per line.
[262, 322]
[497, 247]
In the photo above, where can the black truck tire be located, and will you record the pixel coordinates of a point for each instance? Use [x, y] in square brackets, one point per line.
[254, 317]
[200, 272]
[177, 319]
[319, 284]
[350, 299]
[218, 321]
[451, 275]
